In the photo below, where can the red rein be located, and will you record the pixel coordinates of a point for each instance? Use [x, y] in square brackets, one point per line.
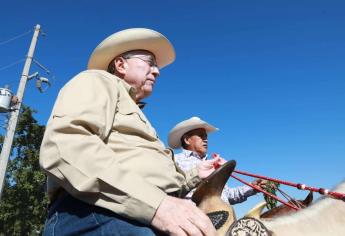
[267, 193]
[322, 191]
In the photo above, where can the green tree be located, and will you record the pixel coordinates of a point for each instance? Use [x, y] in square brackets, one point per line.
[23, 206]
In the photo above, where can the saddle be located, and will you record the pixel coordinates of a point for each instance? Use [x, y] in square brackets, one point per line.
[207, 197]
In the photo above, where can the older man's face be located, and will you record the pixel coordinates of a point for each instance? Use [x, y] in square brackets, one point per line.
[141, 72]
[197, 141]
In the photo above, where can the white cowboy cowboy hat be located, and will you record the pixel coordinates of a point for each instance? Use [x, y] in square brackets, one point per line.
[132, 39]
[175, 134]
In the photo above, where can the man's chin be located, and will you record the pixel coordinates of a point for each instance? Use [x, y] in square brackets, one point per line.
[147, 93]
[204, 151]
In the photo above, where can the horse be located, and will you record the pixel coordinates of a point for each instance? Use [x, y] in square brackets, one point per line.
[325, 217]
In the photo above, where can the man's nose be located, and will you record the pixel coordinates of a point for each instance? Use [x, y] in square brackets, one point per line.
[155, 71]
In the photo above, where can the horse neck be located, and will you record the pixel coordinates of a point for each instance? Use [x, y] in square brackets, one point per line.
[325, 217]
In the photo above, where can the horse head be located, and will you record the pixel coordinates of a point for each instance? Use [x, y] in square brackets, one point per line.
[256, 212]
[324, 217]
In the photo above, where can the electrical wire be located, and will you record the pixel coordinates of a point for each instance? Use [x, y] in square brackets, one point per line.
[41, 66]
[48, 72]
[15, 37]
[11, 64]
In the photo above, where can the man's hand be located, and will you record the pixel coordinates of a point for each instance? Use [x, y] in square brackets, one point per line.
[205, 168]
[181, 217]
[261, 183]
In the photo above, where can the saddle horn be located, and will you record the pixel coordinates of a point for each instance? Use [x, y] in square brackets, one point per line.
[207, 197]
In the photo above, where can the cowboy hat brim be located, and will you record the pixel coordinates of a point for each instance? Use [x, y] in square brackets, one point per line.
[174, 138]
[132, 39]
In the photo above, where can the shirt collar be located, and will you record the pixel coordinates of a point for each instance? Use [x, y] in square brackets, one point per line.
[130, 89]
[132, 92]
[189, 153]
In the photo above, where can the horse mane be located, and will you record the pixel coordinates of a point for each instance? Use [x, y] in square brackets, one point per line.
[324, 217]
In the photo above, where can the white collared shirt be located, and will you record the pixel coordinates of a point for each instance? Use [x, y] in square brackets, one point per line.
[187, 160]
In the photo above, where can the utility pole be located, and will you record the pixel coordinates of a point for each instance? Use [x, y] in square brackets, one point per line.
[7, 145]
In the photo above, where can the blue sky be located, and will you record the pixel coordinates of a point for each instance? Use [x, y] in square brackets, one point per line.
[269, 74]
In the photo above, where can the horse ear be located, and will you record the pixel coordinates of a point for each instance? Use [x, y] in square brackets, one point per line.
[308, 199]
[256, 211]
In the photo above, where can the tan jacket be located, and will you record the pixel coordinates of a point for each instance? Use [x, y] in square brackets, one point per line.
[99, 146]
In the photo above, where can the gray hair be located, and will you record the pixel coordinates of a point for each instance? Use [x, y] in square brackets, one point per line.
[126, 55]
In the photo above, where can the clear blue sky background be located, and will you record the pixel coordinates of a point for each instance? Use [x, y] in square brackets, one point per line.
[269, 74]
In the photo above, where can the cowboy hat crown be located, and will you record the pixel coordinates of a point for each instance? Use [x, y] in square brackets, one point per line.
[175, 134]
[129, 40]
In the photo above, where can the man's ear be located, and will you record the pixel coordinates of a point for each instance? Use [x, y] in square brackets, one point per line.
[120, 65]
[186, 140]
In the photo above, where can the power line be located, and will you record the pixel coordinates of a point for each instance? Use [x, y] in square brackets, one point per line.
[15, 37]
[41, 66]
[11, 82]
[48, 72]
[11, 64]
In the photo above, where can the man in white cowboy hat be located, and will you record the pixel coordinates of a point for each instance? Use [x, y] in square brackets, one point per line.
[192, 136]
[108, 172]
